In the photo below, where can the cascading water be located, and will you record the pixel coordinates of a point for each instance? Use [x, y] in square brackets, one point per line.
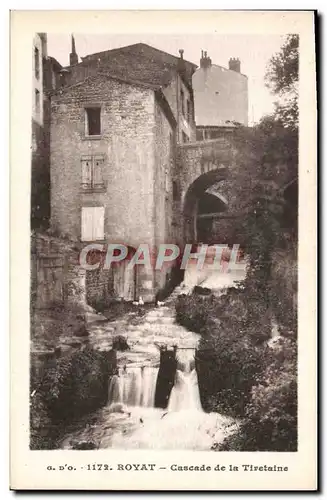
[185, 393]
[130, 419]
[134, 386]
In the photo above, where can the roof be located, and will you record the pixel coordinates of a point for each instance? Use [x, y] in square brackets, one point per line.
[55, 64]
[225, 69]
[144, 50]
[138, 63]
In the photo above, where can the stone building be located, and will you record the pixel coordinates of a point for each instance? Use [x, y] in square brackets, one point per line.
[116, 121]
[221, 98]
[45, 77]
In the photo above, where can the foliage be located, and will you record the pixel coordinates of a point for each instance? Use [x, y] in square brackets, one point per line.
[78, 384]
[242, 309]
[227, 366]
[270, 422]
[282, 78]
[232, 327]
[239, 374]
[193, 311]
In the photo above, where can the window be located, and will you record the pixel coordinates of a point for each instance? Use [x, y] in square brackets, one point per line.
[92, 172]
[93, 121]
[92, 223]
[37, 102]
[36, 62]
[175, 191]
[167, 180]
[189, 111]
[182, 102]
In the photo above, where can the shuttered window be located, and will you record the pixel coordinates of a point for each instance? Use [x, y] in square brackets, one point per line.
[92, 172]
[92, 223]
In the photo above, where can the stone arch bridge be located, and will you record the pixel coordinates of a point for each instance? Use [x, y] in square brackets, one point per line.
[207, 195]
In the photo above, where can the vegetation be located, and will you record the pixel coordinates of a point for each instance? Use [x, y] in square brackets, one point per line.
[282, 79]
[239, 373]
[73, 386]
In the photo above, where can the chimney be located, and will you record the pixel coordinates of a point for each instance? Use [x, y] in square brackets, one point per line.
[234, 64]
[181, 63]
[73, 57]
[205, 61]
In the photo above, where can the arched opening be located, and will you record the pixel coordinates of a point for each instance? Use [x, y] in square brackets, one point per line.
[204, 205]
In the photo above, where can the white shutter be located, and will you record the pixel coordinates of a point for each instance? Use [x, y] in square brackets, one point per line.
[87, 171]
[87, 223]
[98, 171]
[98, 223]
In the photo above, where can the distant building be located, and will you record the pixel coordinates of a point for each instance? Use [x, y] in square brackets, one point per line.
[45, 77]
[115, 122]
[220, 96]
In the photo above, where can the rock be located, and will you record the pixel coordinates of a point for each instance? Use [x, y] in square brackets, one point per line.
[84, 445]
[119, 343]
[92, 317]
[200, 290]
[81, 332]
[74, 343]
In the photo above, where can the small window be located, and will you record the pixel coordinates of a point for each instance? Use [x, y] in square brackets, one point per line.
[167, 180]
[93, 121]
[175, 191]
[189, 111]
[37, 102]
[92, 224]
[36, 62]
[182, 103]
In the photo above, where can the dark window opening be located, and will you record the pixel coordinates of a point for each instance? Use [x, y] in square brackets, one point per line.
[182, 102]
[36, 62]
[189, 111]
[175, 191]
[37, 101]
[93, 119]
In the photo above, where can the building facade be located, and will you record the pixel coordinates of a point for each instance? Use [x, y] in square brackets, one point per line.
[115, 123]
[45, 77]
[221, 98]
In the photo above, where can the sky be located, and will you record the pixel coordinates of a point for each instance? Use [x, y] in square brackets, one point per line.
[254, 52]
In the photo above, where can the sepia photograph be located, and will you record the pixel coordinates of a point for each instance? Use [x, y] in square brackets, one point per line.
[164, 246]
[138, 152]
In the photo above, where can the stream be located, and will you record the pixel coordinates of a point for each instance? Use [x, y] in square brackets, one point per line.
[130, 420]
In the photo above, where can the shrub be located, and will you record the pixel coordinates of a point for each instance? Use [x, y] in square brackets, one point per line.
[227, 366]
[270, 422]
[193, 311]
[78, 384]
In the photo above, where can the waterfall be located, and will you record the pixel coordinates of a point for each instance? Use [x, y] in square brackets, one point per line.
[185, 393]
[134, 386]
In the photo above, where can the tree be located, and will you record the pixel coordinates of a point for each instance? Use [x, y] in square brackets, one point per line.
[282, 78]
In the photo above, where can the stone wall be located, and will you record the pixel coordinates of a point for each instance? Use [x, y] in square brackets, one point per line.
[127, 143]
[57, 280]
[99, 287]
